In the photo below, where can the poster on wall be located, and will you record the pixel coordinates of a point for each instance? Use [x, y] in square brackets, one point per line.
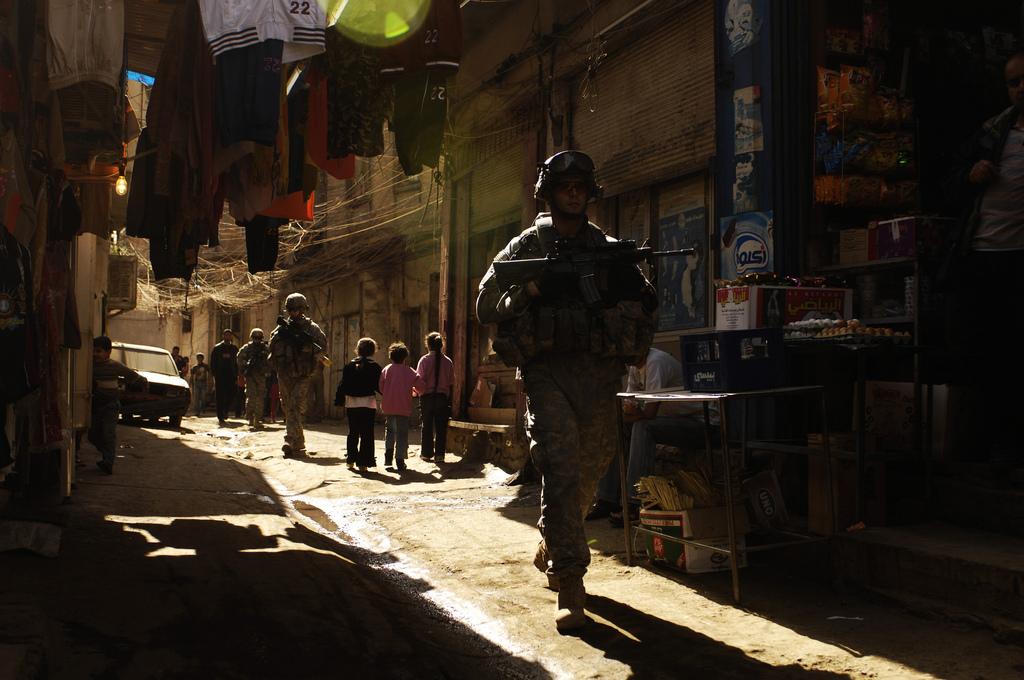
[749, 132]
[744, 187]
[742, 24]
[746, 244]
[682, 281]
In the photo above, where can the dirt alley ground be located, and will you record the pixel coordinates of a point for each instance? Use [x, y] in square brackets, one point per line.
[207, 554]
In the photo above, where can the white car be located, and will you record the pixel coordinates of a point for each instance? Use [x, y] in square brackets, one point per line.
[168, 394]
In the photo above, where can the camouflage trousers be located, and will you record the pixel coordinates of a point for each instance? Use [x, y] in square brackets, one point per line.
[571, 422]
[295, 401]
[255, 393]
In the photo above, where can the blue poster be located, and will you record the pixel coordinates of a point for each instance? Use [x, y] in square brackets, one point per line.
[682, 281]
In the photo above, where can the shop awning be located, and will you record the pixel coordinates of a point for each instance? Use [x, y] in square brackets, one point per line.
[145, 27]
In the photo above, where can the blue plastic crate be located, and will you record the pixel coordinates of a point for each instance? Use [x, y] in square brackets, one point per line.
[733, 361]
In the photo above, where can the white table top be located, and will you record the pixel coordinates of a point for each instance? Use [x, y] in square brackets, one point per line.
[678, 394]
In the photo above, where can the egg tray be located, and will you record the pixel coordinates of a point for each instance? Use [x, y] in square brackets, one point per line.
[864, 339]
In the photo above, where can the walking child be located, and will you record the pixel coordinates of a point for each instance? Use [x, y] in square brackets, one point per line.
[397, 382]
[436, 372]
[360, 380]
[200, 384]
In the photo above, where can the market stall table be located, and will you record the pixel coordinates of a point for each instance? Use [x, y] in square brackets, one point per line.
[722, 399]
[861, 353]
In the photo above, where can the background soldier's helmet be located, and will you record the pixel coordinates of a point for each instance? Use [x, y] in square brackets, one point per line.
[296, 301]
[254, 332]
[565, 165]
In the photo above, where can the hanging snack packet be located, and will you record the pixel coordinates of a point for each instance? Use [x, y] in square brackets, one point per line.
[855, 90]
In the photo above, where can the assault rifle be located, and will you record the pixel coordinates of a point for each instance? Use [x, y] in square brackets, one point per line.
[584, 263]
[293, 332]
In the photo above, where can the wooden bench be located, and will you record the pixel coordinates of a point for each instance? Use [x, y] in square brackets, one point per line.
[495, 429]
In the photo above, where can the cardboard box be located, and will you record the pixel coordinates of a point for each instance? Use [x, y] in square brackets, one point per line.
[746, 307]
[853, 246]
[698, 522]
[688, 558]
[889, 415]
[913, 236]
[844, 487]
[766, 502]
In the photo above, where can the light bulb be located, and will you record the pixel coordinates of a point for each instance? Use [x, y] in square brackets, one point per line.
[121, 186]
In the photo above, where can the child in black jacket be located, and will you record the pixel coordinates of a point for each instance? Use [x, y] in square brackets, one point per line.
[358, 394]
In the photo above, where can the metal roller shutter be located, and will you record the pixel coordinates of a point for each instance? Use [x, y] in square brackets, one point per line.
[654, 117]
[496, 196]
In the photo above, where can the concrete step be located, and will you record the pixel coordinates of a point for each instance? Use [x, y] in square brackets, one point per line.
[974, 502]
[968, 570]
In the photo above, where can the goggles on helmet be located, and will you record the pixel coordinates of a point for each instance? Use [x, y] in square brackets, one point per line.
[569, 162]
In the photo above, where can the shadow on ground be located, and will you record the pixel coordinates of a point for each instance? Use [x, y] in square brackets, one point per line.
[182, 564]
[792, 587]
[635, 639]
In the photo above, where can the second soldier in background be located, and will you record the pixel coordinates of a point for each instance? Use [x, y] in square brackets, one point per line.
[254, 365]
[296, 352]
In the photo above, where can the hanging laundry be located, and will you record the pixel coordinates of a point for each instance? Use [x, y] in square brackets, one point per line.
[316, 127]
[86, 42]
[47, 419]
[60, 287]
[301, 26]
[297, 112]
[418, 119]
[294, 206]
[94, 198]
[282, 147]
[357, 101]
[176, 182]
[19, 372]
[147, 211]
[261, 242]
[436, 45]
[249, 186]
[10, 88]
[16, 204]
[176, 262]
[248, 97]
[65, 217]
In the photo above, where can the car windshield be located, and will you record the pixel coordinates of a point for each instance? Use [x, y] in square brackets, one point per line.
[154, 362]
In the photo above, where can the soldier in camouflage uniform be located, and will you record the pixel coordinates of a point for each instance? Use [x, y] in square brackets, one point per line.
[572, 358]
[253, 364]
[296, 349]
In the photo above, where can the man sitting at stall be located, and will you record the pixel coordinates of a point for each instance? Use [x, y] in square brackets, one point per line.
[652, 423]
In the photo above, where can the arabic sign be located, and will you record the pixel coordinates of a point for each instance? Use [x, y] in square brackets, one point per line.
[746, 243]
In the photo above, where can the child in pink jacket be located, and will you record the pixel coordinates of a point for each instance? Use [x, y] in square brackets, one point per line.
[397, 382]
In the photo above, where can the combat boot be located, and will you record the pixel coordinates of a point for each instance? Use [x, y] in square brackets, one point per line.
[287, 450]
[572, 598]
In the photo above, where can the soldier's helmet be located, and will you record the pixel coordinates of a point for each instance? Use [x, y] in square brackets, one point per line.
[256, 332]
[566, 165]
[296, 301]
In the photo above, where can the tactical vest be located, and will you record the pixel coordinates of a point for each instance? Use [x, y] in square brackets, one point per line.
[623, 329]
[293, 354]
